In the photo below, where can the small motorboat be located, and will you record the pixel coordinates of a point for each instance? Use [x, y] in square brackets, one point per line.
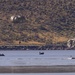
[41, 53]
[2, 55]
[73, 57]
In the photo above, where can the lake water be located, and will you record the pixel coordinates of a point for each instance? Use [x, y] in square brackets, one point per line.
[33, 58]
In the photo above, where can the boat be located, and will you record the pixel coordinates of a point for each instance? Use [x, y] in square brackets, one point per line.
[41, 53]
[73, 57]
[2, 55]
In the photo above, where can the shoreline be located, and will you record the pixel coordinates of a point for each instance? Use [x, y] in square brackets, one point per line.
[38, 69]
[33, 47]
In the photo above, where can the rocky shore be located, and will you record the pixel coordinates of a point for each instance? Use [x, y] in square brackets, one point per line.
[47, 47]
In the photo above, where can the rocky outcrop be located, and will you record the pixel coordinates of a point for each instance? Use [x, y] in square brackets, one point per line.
[17, 19]
[71, 43]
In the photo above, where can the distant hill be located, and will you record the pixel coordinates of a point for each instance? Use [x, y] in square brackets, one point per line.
[46, 22]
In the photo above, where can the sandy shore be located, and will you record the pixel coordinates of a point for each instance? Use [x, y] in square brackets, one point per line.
[37, 69]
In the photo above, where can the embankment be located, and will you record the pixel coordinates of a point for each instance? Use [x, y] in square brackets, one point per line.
[37, 69]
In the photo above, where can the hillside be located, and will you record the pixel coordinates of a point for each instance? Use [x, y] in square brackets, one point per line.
[46, 22]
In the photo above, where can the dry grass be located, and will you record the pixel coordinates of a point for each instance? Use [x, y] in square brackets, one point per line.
[53, 37]
[45, 21]
[28, 43]
[60, 39]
